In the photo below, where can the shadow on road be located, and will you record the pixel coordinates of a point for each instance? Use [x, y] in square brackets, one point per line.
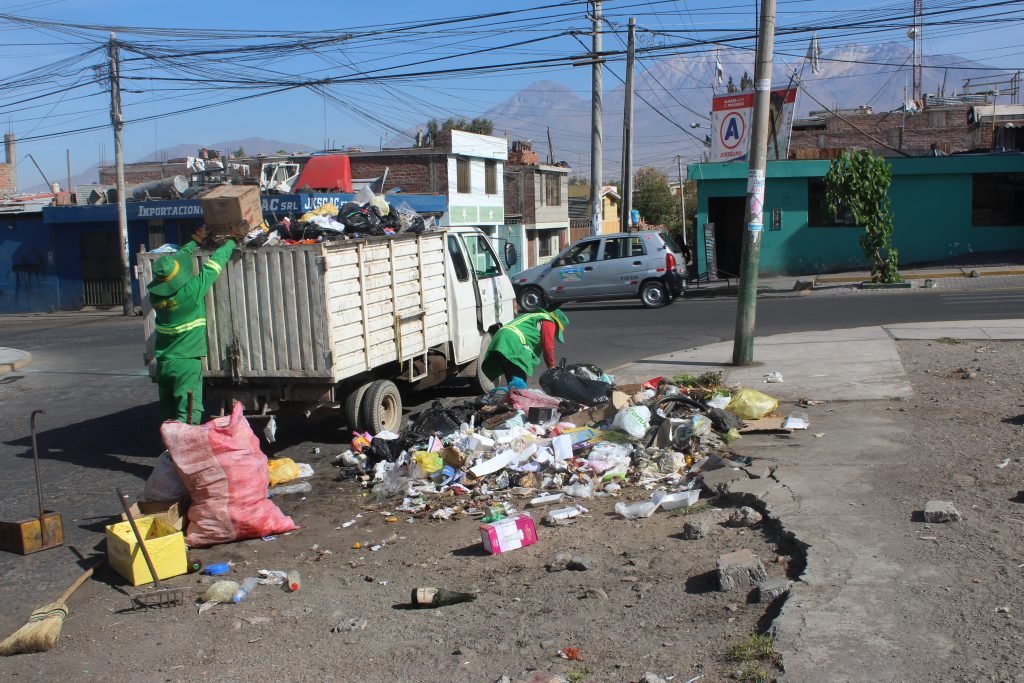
[101, 442]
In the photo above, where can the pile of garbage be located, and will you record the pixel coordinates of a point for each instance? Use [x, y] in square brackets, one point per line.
[579, 437]
[367, 215]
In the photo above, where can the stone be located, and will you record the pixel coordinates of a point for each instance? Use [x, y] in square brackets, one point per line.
[349, 625]
[941, 511]
[720, 481]
[744, 516]
[771, 589]
[740, 570]
[579, 563]
[560, 563]
[652, 678]
[693, 531]
[595, 594]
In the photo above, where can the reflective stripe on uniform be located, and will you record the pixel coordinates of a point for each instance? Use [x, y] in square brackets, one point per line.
[213, 265]
[184, 327]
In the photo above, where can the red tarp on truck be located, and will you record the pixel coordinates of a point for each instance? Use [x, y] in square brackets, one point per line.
[327, 173]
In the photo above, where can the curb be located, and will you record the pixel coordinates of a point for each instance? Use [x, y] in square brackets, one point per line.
[17, 364]
[917, 276]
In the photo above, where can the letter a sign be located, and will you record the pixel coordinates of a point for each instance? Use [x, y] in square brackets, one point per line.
[731, 117]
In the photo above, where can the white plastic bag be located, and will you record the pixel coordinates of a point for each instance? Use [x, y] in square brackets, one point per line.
[164, 484]
[633, 420]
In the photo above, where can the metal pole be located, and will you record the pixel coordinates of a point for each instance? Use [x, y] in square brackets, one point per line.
[117, 120]
[596, 130]
[68, 151]
[746, 304]
[627, 132]
[682, 196]
[49, 185]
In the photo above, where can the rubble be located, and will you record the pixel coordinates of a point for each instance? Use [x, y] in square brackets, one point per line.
[744, 516]
[941, 511]
[696, 530]
[740, 570]
[771, 589]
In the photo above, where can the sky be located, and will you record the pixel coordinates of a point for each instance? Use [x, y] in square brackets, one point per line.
[382, 65]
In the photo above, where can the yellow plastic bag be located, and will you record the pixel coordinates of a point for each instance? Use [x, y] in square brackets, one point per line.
[329, 209]
[751, 404]
[428, 462]
[282, 470]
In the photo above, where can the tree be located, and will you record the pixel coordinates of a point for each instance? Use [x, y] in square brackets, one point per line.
[240, 152]
[478, 125]
[746, 82]
[858, 184]
[653, 198]
[730, 86]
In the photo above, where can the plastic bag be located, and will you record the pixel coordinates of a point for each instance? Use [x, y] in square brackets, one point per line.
[282, 470]
[164, 484]
[633, 420]
[435, 420]
[751, 404]
[719, 401]
[226, 474]
[564, 383]
[424, 464]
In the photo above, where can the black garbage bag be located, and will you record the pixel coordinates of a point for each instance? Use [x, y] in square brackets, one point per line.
[382, 449]
[436, 420]
[586, 370]
[561, 382]
[416, 225]
[723, 420]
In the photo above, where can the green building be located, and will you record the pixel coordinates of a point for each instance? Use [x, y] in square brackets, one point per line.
[942, 207]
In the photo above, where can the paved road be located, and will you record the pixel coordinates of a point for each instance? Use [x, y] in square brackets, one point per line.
[100, 428]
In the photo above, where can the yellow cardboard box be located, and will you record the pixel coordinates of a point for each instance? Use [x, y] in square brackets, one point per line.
[166, 546]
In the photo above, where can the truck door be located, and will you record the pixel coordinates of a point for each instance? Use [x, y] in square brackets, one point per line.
[489, 278]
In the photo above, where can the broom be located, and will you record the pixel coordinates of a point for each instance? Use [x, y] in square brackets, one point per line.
[42, 629]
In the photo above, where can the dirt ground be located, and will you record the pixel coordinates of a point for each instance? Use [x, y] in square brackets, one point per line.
[647, 602]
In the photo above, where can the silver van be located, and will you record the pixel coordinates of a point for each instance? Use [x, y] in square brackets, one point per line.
[646, 264]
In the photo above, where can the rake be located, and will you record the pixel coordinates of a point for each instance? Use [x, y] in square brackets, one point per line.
[159, 596]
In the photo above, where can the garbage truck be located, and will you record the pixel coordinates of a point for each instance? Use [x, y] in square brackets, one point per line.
[348, 324]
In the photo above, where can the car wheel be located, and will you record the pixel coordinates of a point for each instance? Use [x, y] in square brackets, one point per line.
[532, 299]
[381, 408]
[653, 294]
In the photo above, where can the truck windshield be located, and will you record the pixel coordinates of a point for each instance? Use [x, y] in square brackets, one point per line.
[485, 263]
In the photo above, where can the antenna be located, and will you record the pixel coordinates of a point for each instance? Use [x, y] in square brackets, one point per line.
[916, 35]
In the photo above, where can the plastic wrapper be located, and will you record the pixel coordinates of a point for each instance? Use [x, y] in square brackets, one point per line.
[164, 484]
[633, 420]
[751, 404]
[282, 470]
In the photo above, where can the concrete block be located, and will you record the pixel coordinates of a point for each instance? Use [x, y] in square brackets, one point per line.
[720, 481]
[772, 589]
[740, 570]
[693, 531]
[941, 511]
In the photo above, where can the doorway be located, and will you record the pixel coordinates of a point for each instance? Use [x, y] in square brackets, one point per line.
[727, 215]
[101, 269]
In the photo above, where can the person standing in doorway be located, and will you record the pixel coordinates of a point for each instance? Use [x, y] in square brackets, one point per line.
[178, 296]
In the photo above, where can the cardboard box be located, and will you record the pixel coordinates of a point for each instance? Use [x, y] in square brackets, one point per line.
[591, 415]
[227, 206]
[517, 531]
[171, 513]
[166, 546]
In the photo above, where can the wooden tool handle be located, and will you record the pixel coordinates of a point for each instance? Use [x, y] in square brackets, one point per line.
[80, 580]
[138, 537]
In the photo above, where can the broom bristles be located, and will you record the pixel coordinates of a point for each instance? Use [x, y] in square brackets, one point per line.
[39, 633]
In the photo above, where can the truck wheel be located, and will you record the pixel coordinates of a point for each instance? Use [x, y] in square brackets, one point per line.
[382, 407]
[653, 294]
[352, 403]
[532, 299]
[480, 382]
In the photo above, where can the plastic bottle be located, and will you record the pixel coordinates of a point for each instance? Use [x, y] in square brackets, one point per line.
[221, 591]
[247, 587]
[302, 487]
[294, 580]
[439, 597]
[194, 565]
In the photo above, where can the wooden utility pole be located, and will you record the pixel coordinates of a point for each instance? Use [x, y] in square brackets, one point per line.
[627, 132]
[117, 120]
[596, 129]
[682, 196]
[746, 305]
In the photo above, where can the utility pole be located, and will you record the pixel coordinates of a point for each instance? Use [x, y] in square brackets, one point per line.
[746, 304]
[682, 196]
[68, 151]
[596, 130]
[627, 131]
[551, 148]
[117, 120]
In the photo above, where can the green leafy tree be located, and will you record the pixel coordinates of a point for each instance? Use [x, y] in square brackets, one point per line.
[730, 86]
[746, 82]
[858, 184]
[653, 198]
[240, 152]
[478, 125]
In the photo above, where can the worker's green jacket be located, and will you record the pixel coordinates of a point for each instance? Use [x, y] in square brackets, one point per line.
[519, 341]
[181, 317]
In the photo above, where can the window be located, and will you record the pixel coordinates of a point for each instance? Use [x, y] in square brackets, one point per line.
[458, 260]
[623, 247]
[584, 252]
[545, 244]
[818, 213]
[551, 189]
[462, 170]
[482, 258]
[491, 176]
[997, 199]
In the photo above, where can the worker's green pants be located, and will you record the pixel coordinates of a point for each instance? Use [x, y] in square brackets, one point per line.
[175, 377]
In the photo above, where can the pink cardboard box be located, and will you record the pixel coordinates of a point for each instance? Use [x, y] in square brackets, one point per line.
[508, 534]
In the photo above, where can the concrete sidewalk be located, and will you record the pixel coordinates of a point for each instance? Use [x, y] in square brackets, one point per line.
[848, 617]
[13, 359]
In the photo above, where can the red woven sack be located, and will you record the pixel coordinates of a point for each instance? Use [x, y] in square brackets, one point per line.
[225, 472]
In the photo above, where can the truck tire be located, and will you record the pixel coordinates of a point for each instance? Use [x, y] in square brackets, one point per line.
[479, 382]
[653, 294]
[381, 407]
[353, 402]
[532, 299]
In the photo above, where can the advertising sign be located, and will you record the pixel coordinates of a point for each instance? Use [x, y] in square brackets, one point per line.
[731, 120]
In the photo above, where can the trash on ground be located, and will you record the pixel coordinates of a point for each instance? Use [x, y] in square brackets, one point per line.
[438, 597]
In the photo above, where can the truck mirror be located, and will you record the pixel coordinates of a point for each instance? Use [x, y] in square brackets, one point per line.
[511, 256]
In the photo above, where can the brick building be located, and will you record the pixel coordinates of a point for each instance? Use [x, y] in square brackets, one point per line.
[8, 175]
[537, 198]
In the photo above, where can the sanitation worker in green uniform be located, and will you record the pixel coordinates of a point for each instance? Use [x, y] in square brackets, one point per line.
[178, 296]
[517, 347]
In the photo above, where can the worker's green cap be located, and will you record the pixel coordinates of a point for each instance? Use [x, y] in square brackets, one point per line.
[561, 321]
[170, 273]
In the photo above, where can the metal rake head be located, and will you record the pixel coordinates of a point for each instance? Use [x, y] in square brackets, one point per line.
[156, 599]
